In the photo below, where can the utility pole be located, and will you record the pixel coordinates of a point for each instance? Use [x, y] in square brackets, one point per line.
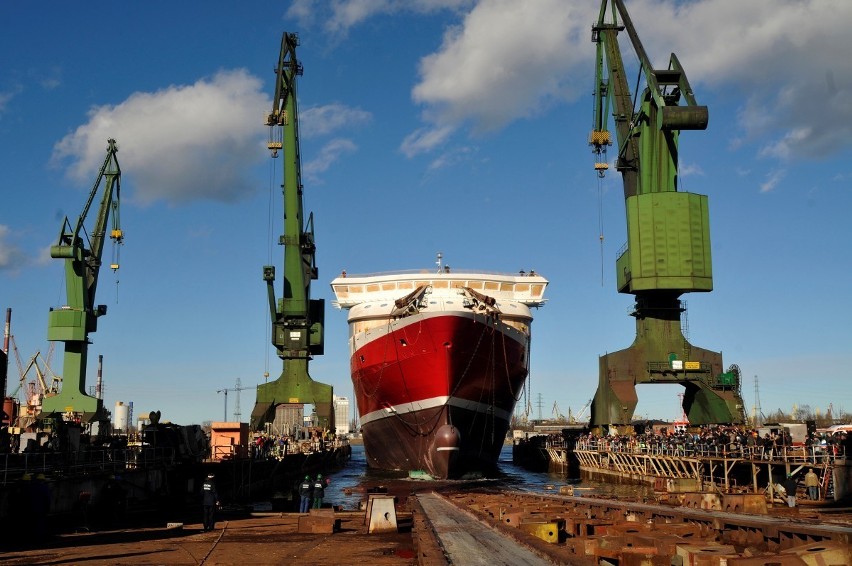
[237, 389]
[225, 414]
[237, 414]
[757, 411]
[540, 403]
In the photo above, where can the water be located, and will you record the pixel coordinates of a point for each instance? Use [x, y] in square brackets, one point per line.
[349, 484]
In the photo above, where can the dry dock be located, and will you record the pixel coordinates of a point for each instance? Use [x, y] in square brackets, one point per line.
[469, 524]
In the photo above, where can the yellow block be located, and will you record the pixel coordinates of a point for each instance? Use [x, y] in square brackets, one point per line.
[548, 532]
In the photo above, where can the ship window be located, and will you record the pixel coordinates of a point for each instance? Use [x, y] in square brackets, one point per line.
[491, 285]
[441, 284]
[456, 284]
[388, 286]
[506, 286]
[372, 288]
[449, 302]
[537, 290]
[356, 289]
[402, 342]
[367, 306]
[406, 285]
[362, 359]
[522, 287]
[475, 285]
[384, 304]
[433, 302]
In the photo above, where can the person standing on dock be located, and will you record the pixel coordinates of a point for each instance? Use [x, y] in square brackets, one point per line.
[319, 491]
[210, 501]
[790, 486]
[812, 483]
[305, 491]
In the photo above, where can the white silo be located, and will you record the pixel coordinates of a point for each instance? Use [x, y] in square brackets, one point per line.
[120, 415]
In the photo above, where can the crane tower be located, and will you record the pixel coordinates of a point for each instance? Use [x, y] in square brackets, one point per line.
[81, 251]
[668, 234]
[297, 320]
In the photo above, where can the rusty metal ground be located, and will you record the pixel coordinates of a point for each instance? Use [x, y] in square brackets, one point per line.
[468, 525]
[269, 539]
[577, 530]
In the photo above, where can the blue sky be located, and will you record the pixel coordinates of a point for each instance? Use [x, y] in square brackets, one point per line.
[427, 125]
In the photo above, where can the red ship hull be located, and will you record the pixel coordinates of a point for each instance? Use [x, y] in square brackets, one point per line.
[436, 392]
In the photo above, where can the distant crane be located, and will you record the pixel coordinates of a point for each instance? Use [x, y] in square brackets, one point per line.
[556, 414]
[582, 412]
[236, 389]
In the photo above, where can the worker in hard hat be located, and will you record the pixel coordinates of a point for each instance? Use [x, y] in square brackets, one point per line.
[305, 492]
[210, 500]
[319, 491]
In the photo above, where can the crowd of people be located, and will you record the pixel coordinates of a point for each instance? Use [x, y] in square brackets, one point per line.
[266, 445]
[727, 441]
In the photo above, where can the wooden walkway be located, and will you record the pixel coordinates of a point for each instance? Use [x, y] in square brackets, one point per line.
[467, 540]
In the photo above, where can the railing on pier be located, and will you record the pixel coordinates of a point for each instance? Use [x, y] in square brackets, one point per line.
[785, 454]
[705, 464]
[14, 466]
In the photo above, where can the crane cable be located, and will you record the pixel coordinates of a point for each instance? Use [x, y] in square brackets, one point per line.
[600, 221]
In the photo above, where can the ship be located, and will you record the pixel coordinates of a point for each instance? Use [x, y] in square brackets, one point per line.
[438, 362]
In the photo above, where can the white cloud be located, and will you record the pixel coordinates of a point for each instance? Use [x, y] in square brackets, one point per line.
[179, 144]
[7, 96]
[450, 158]
[425, 140]
[11, 256]
[341, 15]
[330, 153]
[322, 120]
[772, 180]
[507, 60]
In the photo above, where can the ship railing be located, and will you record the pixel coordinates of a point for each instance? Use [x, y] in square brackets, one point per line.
[452, 272]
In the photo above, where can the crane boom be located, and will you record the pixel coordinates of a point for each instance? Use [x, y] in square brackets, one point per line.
[297, 320]
[668, 235]
[81, 251]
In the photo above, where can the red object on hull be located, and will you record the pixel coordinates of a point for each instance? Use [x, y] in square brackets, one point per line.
[436, 391]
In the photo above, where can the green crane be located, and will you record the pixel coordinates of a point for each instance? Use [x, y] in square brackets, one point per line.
[297, 320]
[668, 235]
[81, 251]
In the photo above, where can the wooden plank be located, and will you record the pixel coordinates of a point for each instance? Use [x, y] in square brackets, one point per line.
[467, 541]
